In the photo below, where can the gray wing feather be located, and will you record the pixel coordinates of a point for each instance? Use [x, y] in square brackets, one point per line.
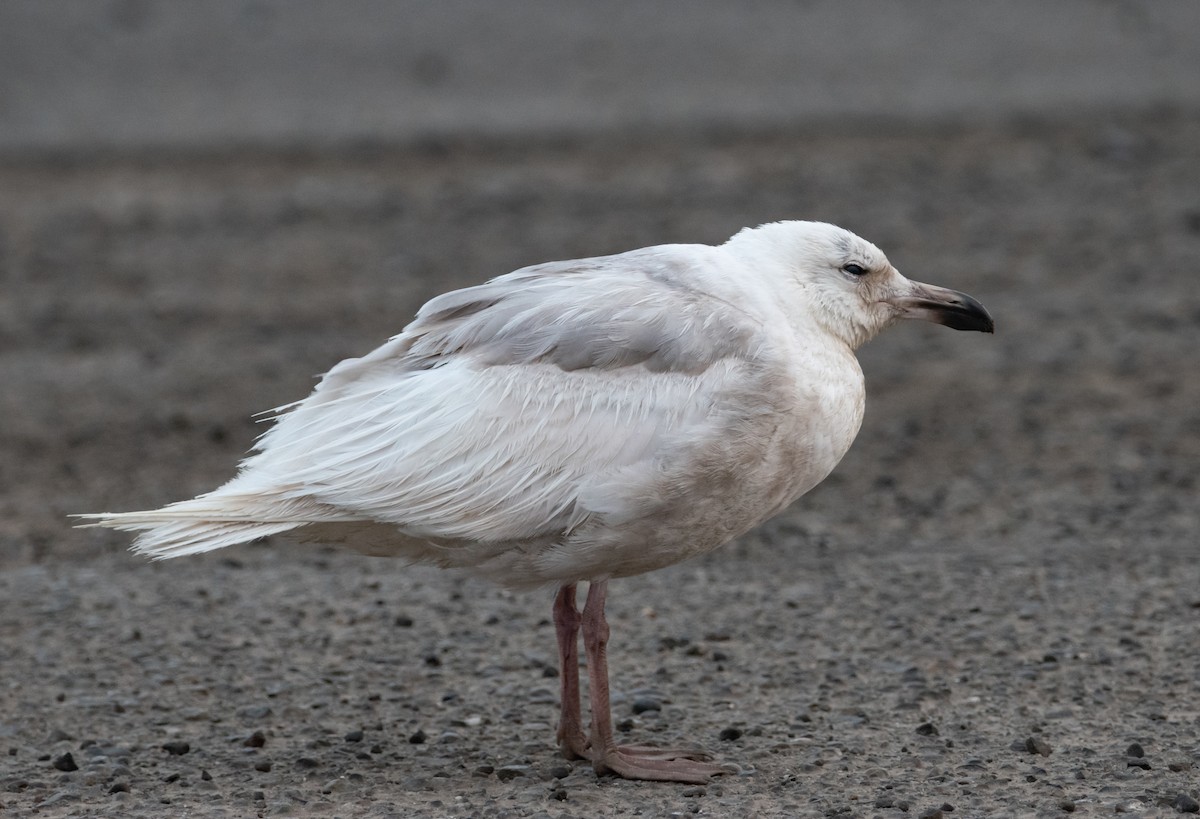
[607, 312]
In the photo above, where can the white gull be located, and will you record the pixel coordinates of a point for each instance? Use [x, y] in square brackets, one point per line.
[580, 421]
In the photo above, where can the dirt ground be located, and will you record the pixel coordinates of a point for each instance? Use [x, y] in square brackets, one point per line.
[990, 609]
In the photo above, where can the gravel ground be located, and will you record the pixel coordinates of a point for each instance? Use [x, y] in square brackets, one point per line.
[988, 610]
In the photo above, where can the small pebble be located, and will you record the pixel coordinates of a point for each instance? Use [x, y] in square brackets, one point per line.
[696, 791]
[1184, 803]
[1034, 745]
[66, 762]
[307, 762]
[205, 775]
[484, 770]
[1067, 805]
[176, 747]
[560, 771]
[354, 736]
[927, 729]
[644, 704]
[418, 737]
[403, 621]
[263, 765]
[1137, 762]
[255, 740]
[508, 773]
[730, 734]
[119, 787]
[1135, 750]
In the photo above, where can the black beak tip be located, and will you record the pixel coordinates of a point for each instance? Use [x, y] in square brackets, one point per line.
[965, 313]
[977, 317]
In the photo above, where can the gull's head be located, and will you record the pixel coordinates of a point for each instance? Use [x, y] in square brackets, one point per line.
[848, 286]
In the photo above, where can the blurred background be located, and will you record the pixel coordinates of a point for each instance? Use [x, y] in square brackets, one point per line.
[132, 75]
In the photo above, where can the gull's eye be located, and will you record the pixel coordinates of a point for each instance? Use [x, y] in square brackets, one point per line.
[854, 269]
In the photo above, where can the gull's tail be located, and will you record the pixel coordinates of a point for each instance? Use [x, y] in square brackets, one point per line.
[209, 522]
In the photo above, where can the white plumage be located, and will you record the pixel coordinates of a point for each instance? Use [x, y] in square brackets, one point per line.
[581, 420]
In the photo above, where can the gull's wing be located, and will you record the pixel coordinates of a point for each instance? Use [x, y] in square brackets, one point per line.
[513, 410]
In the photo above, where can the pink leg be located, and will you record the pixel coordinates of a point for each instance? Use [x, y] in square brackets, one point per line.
[629, 761]
[571, 738]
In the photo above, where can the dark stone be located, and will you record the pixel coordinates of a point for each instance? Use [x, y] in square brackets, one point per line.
[1136, 762]
[255, 740]
[927, 729]
[66, 762]
[508, 773]
[263, 765]
[1033, 745]
[1135, 750]
[176, 747]
[644, 704]
[418, 737]
[730, 734]
[307, 763]
[354, 736]
[119, 787]
[1184, 803]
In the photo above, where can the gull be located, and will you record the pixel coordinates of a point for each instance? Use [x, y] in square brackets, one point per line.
[580, 421]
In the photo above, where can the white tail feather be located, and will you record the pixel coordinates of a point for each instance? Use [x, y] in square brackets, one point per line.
[200, 525]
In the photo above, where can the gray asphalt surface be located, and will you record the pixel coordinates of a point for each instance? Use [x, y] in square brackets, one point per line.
[985, 608]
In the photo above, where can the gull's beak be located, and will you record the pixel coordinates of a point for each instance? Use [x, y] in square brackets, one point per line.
[943, 306]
